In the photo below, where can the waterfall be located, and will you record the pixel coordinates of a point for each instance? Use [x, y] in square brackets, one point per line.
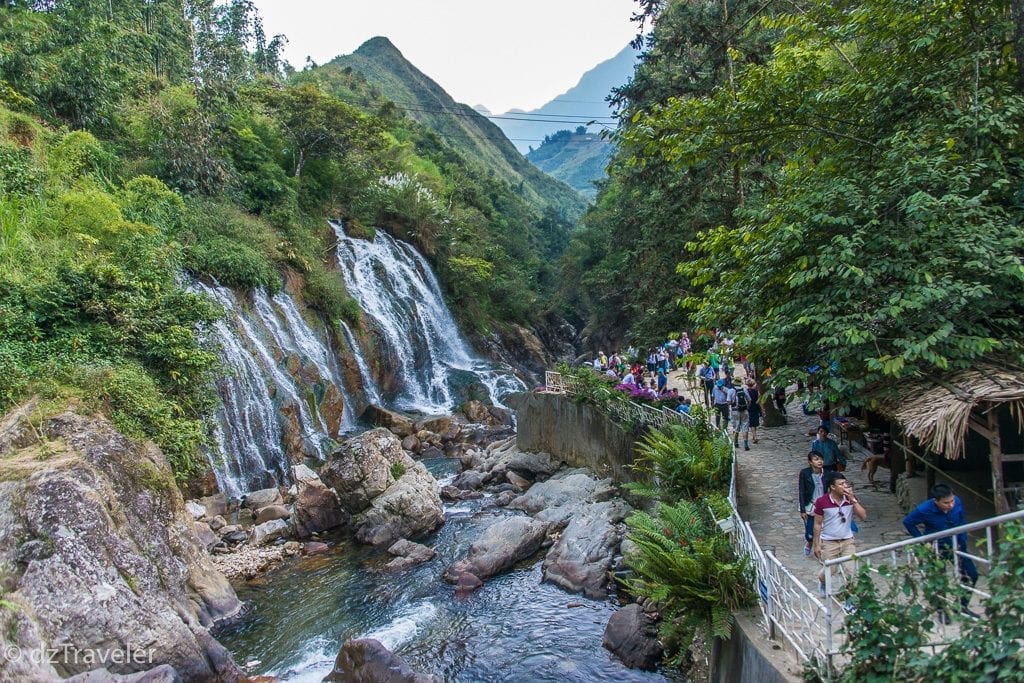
[369, 383]
[398, 291]
[255, 440]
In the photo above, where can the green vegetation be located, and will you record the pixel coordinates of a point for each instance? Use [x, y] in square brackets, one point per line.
[166, 138]
[686, 564]
[683, 461]
[837, 184]
[892, 623]
[576, 158]
[397, 470]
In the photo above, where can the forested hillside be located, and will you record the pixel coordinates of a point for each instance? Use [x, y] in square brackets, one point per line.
[840, 184]
[143, 143]
[577, 158]
[465, 130]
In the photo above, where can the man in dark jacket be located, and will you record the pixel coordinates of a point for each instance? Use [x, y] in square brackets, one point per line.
[811, 488]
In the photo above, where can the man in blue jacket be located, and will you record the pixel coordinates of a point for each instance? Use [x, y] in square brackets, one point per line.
[941, 512]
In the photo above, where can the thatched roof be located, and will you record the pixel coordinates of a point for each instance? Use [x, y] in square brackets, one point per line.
[936, 411]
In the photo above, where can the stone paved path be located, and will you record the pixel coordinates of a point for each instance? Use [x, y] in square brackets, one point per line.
[768, 499]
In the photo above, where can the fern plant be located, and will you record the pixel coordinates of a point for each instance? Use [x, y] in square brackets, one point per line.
[686, 564]
[681, 461]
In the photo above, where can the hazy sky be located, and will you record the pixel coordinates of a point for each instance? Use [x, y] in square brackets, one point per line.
[515, 53]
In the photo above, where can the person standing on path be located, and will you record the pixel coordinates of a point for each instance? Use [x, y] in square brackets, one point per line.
[708, 377]
[740, 415]
[941, 512]
[811, 487]
[833, 522]
[834, 459]
[723, 397]
[754, 411]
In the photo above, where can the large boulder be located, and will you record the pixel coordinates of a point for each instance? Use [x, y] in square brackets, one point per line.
[409, 508]
[499, 547]
[363, 467]
[389, 419]
[270, 513]
[409, 554]
[269, 531]
[316, 507]
[101, 555]
[580, 559]
[391, 495]
[262, 498]
[558, 498]
[632, 636]
[367, 661]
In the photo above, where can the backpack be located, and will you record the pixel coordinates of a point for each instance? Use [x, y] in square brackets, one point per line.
[742, 399]
[709, 373]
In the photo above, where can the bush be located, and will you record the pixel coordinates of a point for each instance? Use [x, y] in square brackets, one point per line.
[232, 264]
[137, 407]
[680, 461]
[687, 566]
[325, 290]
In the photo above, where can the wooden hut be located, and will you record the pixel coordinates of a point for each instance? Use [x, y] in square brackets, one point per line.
[940, 413]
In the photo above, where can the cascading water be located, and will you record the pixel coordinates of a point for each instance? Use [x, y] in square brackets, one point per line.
[250, 429]
[396, 288]
[369, 383]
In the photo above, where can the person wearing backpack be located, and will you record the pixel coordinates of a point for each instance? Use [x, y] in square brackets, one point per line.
[740, 415]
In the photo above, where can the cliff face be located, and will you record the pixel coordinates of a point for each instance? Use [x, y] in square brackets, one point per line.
[99, 562]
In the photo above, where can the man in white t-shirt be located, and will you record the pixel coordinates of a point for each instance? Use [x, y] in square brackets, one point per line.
[833, 521]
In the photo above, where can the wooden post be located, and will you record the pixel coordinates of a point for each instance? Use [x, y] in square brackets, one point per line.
[897, 461]
[929, 472]
[995, 451]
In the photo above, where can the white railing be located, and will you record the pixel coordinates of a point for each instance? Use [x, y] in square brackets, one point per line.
[623, 409]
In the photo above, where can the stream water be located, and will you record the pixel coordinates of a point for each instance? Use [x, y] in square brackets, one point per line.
[515, 628]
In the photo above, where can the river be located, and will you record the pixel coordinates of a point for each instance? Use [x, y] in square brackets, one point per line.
[515, 628]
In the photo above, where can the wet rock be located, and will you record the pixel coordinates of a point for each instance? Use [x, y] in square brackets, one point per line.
[396, 422]
[160, 674]
[437, 425]
[409, 508]
[268, 531]
[476, 411]
[502, 416]
[195, 510]
[579, 561]
[467, 583]
[411, 443]
[431, 452]
[409, 554]
[517, 481]
[470, 480]
[216, 504]
[562, 494]
[270, 513]
[632, 636]
[332, 406]
[450, 493]
[367, 661]
[262, 498]
[315, 548]
[363, 467]
[499, 547]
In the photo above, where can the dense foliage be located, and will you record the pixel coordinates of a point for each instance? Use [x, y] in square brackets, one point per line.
[686, 565]
[841, 183]
[142, 139]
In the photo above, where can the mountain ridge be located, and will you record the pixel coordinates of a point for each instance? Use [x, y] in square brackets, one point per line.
[469, 132]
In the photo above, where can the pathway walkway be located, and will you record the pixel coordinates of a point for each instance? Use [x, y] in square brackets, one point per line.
[766, 485]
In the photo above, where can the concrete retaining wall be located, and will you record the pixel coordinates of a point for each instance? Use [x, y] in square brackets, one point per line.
[579, 434]
[749, 657]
